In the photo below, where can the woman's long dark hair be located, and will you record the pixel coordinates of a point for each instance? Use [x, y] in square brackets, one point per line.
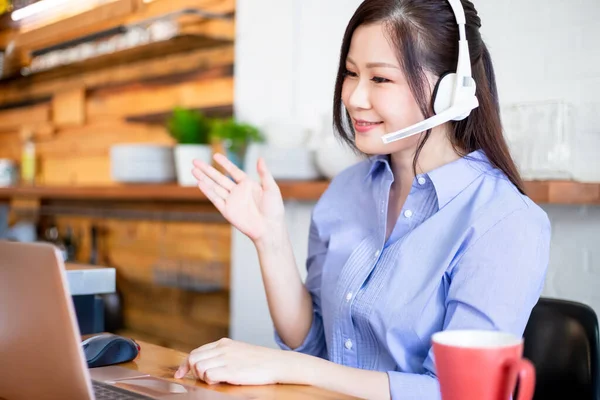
[425, 34]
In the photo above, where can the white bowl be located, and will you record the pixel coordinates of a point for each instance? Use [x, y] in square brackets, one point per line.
[284, 163]
[142, 163]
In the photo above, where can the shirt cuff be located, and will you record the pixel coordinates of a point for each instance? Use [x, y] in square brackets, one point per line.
[313, 344]
[404, 386]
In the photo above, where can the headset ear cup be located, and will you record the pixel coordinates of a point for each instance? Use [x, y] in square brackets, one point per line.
[442, 93]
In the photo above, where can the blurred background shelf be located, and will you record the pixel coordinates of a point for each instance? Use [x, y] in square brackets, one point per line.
[563, 192]
[291, 190]
[195, 64]
[117, 32]
[81, 81]
[543, 192]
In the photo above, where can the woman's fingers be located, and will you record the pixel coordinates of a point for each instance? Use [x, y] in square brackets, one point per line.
[201, 368]
[215, 175]
[266, 179]
[216, 375]
[237, 174]
[206, 346]
[218, 189]
[218, 201]
[188, 363]
[197, 356]
[184, 368]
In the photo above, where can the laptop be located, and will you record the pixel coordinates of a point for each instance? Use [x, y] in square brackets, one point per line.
[41, 356]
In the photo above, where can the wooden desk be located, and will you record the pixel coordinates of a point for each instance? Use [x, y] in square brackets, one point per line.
[162, 362]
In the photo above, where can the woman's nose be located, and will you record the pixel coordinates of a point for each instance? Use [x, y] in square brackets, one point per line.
[359, 96]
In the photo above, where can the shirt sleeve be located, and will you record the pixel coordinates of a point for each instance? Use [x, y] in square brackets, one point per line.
[493, 286]
[314, 344]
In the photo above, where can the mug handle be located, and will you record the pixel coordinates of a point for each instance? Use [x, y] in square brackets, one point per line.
[525, 371]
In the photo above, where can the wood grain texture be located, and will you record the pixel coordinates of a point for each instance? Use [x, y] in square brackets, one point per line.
[571, 193]
[99, 18]
[563, 192]
[542, 192]
[223, 29]
[160, 7]
[6, 35]
[68, 107]
[152, 99]
[66, 171]
[291, 190]
[110, 15]
[10, 145]
[74, 148]
[15, 118]
[171, 313]
[45, 84]
[96, 138]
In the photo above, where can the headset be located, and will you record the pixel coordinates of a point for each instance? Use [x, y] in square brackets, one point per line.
[454, 94]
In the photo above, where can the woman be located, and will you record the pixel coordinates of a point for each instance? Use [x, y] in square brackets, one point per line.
[432, 232]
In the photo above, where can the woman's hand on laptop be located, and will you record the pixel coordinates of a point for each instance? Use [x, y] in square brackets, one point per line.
[237, 363]
[256, 209]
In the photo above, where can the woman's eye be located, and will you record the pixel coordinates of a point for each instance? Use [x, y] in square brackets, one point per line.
[378, 79]
[350, 73]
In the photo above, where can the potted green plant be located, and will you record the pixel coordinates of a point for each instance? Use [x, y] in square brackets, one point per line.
[191, 129]
[235, 136]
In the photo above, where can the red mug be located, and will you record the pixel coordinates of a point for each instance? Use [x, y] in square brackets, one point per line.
[481, 365]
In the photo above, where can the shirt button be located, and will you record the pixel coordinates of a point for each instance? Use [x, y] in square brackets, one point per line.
[408, 213]
[422, 180]
[377, 253]
[348, 344]
[349, 296]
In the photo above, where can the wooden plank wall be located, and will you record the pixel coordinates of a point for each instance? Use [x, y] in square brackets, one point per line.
[77, 115]
[76, 127]
[142, 251]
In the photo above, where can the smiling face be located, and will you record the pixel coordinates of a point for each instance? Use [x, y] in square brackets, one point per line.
[376, 94]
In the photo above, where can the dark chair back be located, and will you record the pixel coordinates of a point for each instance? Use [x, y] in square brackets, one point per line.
[561, 340]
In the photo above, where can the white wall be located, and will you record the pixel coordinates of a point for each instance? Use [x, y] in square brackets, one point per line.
[286, 57]
[286, 60]
[549, 50]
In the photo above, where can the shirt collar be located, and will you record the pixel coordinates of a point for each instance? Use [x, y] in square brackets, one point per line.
[449, 179]
[377, 162]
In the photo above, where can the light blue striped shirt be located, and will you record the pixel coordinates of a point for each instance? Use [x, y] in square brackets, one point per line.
[467, 252]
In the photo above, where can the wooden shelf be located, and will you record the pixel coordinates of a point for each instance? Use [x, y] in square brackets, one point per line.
[542, 192]
[291, 190]
[118, 13]
[199, 24]
[563, 192]
[175, 45]
[42, 86]
[161, 118]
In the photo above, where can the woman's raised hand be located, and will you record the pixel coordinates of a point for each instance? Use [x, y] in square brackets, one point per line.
[256, 209]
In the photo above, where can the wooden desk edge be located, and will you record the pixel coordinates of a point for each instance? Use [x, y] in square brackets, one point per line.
[163, 362]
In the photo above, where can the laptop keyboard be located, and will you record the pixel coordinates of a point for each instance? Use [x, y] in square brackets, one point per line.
[108, 392]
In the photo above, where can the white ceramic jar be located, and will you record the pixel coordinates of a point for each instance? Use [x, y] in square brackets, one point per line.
[185, 154]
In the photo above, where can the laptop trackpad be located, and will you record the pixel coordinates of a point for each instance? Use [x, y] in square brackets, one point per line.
[163, 389]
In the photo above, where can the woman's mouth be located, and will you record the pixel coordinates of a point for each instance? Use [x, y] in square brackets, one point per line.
[362, 126]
